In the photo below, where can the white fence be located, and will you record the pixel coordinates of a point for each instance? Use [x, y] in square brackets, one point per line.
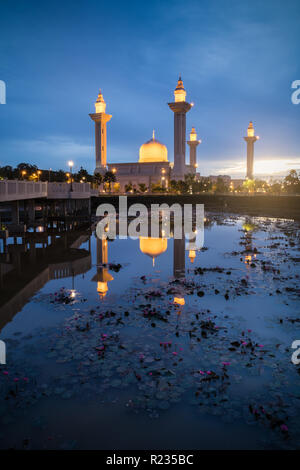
[19, 190]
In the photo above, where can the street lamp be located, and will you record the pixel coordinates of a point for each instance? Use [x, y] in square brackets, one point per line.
[71, 164]
[39, 174]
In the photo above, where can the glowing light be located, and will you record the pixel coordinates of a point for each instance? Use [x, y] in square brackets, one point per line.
[250, 131]
[193, 134]
[192, 255]
[70, 163]
[248, 258]
[153, 151]
[102, 288]
[100, 104]
[179, 93]
[179, 301]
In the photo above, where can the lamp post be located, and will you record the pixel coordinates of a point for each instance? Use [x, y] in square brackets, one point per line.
[71, 164]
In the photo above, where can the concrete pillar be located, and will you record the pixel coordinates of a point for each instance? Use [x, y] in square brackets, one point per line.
[30, 210]
[15, 215]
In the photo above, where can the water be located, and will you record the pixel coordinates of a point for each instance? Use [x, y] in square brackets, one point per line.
[128, 344]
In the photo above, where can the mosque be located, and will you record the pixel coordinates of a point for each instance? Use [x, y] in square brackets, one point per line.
[153, 166]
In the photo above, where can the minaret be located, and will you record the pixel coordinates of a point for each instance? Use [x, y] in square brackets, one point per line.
[100, 118]
[193, 144]
[179, 107]
[103, 276]
[250, 139]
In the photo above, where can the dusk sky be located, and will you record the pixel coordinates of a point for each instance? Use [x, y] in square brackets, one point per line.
[237, 59]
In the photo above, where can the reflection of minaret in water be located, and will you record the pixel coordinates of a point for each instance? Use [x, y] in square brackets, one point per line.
[248, 226]
[103, 276]
[179, 257]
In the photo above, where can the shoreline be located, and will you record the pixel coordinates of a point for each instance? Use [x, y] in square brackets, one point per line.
[283, 206]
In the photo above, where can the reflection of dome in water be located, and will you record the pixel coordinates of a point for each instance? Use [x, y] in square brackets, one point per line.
[153, 247]
[153, 151]
[248, 227]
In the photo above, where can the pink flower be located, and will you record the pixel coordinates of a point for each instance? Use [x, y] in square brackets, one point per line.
[16, 379]
[25, 379]
[208, 372]
[201, 372]
[5, 372]
[260, 345]
[175, 353]
[284, 428]
[226, 363]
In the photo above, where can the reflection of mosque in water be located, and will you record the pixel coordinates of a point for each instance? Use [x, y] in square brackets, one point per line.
[46, 255]
[150, 246]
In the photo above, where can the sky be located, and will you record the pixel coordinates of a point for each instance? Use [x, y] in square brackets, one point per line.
[237, 60]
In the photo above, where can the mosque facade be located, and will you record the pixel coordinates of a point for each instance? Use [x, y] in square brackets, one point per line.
[153, 166]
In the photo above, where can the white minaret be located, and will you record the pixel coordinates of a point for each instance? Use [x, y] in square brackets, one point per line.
[193, 144]
[179, 107]
[250, 139]
[100, 119]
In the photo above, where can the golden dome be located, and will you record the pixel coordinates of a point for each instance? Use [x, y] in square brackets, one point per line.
[153, 247]
[153, 151]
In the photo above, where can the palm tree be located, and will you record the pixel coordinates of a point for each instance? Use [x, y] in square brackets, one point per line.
[98, 178]
[109, 178]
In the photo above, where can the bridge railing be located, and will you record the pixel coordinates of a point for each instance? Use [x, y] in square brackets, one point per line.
[13, 190]
[63, 191]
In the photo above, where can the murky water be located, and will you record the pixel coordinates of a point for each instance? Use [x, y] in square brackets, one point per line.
[139, 344]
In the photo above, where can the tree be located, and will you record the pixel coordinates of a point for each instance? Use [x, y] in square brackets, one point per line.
[83, 175]
[98, 178]
[128, 187]
[109, 178]
[190, 179]
[221, 186]
[249, 185]
[157, 188]
[7, 172]
[142, 187]
[292, 182]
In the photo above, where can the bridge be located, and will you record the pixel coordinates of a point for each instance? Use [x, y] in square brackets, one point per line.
[13, 190]
[60, 199]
